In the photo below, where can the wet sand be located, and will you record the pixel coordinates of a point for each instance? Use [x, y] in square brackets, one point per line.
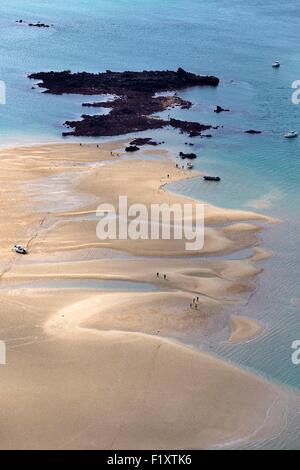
[243, 329]
[94, 369]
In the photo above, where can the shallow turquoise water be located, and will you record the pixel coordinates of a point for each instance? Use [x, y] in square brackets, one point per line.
[232, 39]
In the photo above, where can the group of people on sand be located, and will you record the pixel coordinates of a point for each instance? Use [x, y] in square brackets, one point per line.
[113, 154]
[98, 146]
[164, 275]
[194, 303]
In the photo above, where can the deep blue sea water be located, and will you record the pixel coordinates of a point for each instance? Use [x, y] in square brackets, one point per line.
[233, 39]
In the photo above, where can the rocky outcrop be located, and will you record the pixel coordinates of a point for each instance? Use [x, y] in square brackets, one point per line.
[132, 148]
[112, 125]
[35, 25]
[39, 25]
[193, 128]
[144, 141]
[219, 109]
[189, 156]
[120, 83]
[135, 103]
[212, 178]
[252, 131]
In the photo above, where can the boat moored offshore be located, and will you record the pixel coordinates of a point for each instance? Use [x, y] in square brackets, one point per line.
[291, 135]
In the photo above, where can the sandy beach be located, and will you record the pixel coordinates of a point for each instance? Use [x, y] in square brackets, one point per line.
[110, 367]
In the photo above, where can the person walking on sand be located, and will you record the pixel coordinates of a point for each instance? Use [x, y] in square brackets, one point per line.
[165, 276]
[157, 274]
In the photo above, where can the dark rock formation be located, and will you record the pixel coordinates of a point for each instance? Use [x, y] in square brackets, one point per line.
[252, 131]
[144, 141]
[193, 128]
[112, 124]
[39, 25]
[132, 148]
[194, 134]
[134, 105]
[212, 178]
[190, 156]
[120, 83]
[132, 117]
[140, 104]
[35, 25]
[219, 109]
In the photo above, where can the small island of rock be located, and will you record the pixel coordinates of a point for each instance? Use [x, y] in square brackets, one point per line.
[135, 101]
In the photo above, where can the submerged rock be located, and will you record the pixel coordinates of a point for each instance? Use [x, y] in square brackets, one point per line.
[190, 156]
[252, 131]
[39, 25]
[219, 109]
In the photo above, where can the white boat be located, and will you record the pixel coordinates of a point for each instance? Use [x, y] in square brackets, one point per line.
[20, 249]
[276, 64]
[291, 135]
